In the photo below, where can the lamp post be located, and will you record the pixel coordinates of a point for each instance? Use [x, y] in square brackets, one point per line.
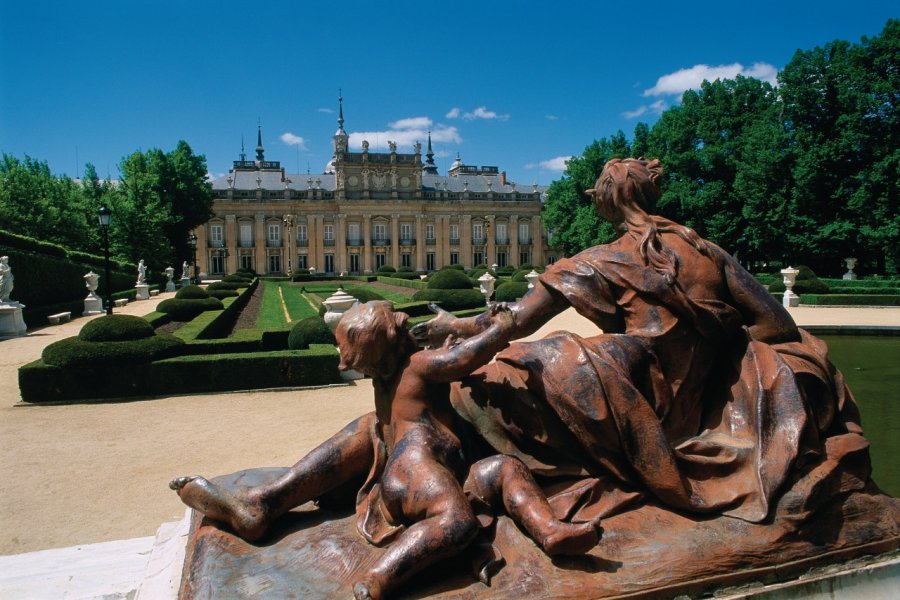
[288, 222]
[104, 215]
[192, 241]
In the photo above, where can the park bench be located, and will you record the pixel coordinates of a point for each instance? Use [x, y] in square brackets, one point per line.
[154, 292]
[63, 317]
[120, 302]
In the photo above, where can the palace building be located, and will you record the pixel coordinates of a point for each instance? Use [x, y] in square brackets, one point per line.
[367, 210]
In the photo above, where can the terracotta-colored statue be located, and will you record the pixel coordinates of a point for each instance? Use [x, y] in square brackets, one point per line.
[413, 496]
[707, 430]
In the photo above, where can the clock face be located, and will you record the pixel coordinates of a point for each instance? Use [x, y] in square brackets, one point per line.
[353, 180]
[404, 181]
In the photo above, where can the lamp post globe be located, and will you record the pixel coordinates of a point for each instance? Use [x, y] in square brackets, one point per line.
[104, 216]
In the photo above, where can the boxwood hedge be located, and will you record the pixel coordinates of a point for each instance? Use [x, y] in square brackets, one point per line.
[116, 328]
[312, 330]
[76, 352]
[452, 299]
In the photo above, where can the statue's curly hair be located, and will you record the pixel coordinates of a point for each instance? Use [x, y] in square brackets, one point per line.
[634, 182]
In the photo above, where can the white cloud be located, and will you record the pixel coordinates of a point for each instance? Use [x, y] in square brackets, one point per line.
[327, 111]
[685, 79]
[293, 140]
[551, 117]
[213, 176]
[479, 113]
[657, 107]
[406, 132]
[411, 123]
[554, 164]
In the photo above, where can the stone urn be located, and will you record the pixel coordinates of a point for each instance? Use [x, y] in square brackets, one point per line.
[336, 305]
[93, 305]
[170, 275]
[532, 278]
[790, 277]
[486, 284]
[851, 264]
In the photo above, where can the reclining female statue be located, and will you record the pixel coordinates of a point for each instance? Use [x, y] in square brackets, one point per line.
[701, 395]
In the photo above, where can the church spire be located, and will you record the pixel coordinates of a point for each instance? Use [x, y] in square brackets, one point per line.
[243, 154]
[341, 139]
[429, 167]
[260, 151]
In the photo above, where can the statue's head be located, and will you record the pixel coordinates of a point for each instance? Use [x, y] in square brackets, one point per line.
[626, 182]
[370, 336]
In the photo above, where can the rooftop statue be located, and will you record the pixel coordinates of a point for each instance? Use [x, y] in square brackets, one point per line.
[704, 428]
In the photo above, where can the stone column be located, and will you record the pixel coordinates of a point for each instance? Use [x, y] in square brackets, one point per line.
[513, 240]
[259, 242]
[420, 243]
[320, 243]
[367, 243]
[440, 258]
[537, 241]
[465, 241]
[231, 240]
[395, 240]
[340, 243]
[491, 249]
[202, 249]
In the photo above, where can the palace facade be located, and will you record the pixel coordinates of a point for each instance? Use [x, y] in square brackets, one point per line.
[367, 210]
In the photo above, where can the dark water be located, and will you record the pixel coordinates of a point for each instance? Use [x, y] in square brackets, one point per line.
[871, 367]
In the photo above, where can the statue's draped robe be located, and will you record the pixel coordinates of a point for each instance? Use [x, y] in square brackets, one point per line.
[683, 407]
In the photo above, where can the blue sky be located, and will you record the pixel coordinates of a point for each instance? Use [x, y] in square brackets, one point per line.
[520, 85]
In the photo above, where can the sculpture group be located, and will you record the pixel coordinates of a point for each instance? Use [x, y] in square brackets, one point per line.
[700, 402]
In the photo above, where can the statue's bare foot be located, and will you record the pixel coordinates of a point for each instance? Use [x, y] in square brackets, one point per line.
[242, 513]
[571, 538]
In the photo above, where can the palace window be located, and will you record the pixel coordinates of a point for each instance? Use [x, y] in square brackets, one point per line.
[478, 258]
[454, 258]
[406, 259]
[406, 232]
[429, 232]
[328, 234]
[354, 263]
[247, 261]
[380, 232]
[302, 234]
[477, 233]
[274, 235]
[429, 261]
[353, 233]
[501, 259]
[274, 263]
[215, 235]
[301, 262]
[379, 260]
[524, 258]
[454, 233]
[329, 263]
[502, 237]
[246, 235]
[524, 231]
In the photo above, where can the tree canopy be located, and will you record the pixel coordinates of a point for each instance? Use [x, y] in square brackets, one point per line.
[805, 172]
[159, 197]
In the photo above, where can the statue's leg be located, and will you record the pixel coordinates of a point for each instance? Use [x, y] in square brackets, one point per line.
[445, 526]
[250, 511]
[506, 478]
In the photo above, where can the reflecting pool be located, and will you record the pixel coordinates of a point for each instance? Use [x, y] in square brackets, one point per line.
[871, 367]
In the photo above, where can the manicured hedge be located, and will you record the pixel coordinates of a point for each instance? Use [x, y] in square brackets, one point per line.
[187, 310]
[452, 299]
[222, 294]
[312, 330]
[116, 328]
[416, 284]
[75, 352]
[226, 285]
[510, 291]
[40, 382]
[386, 270]
[414, 309]
[449, 279]
[191, 292]
[849, 300]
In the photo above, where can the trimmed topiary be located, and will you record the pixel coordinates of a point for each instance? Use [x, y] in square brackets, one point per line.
[222, 294]
[191, 292]
[116, 328]
[235, 278]
[364, 294]
[510, 291]
[311, 330]
[224, 285]
[385, 269]
[452, 299]
[74, 351]
[506, 271]
[449, 279]
[185, 310]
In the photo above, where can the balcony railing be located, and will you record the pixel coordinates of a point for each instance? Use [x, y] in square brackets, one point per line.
[216, 244]
[273, 243]
[478, 240]
[245, 244]
[354, 242]
[454, 241]
[381, 242]
[303, 243]
[407, 241]
[328, 242]
[502, 241]
[430, 240]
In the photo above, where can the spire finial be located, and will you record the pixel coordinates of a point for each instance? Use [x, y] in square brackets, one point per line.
[260, 151]
[340, 111]
[429, 167]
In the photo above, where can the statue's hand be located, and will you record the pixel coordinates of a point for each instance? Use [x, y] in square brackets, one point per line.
[431, 334]
[502, 315]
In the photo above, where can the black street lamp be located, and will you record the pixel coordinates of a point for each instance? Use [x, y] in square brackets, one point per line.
[104, 215]
[193, 243]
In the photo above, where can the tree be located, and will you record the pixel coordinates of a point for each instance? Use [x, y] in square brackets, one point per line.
[568, 213]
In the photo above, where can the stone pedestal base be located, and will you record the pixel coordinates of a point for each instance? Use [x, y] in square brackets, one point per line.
[170, 286]
[93, 305]
[143, 292]
[850, 276]
[11, 322]
[185, 281]
[790, 299]
[648, 552]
